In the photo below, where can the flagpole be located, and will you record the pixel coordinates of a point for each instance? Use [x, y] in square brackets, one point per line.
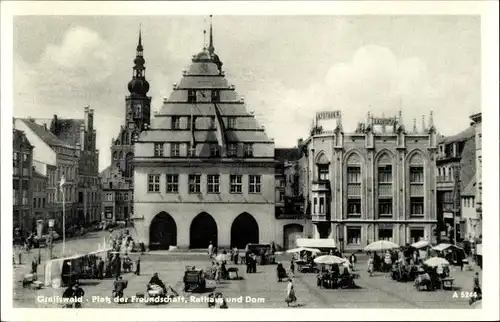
[64, 223]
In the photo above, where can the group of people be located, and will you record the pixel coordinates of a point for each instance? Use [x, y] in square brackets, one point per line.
[73, 294]
[408, 256]
[336, 275]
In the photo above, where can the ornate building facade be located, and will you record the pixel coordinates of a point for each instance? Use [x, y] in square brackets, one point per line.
[376, 183]
[118, 178]
[205, 169]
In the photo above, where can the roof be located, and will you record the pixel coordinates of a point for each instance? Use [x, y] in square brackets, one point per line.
[460, 137]
[44, 134]
[286, 154]
[19, 139]
[444, 246]
[470, 189]
[316, 243]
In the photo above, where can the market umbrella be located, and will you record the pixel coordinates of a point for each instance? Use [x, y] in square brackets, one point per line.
[436, 261]
[420, 244]
[300, 249]
[381, 245]
[329, 260]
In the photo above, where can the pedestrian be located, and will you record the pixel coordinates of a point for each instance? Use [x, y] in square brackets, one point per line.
[248, 263]
[477, 285]
[353, 260]
[292, 267]
[68, 294]
[34, 266]
[290, 293]
[236, 255]
[19, 255]
[138, 267]
[78, 293]
[210, 250]
[100, 269]
[370, 265]
[217, 272]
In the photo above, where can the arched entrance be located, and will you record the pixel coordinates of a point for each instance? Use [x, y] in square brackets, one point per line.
[244, 230]
[290, 234]
[203, 230]
[162, 232]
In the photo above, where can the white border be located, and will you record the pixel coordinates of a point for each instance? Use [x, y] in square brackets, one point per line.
[489, 13]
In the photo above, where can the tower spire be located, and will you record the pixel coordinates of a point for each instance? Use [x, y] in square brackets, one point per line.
[211, 48]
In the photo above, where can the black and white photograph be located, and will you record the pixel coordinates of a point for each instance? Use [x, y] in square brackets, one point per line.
[189, 157]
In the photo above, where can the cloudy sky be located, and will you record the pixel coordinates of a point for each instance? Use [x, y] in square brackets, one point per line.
[286, 67]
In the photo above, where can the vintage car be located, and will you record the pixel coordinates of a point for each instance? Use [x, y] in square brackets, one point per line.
[263, 252]
[194, 279]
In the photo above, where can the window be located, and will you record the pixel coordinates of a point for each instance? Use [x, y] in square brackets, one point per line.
[172, 183]
[354, 206]
[236, 183]
[15, 198]
[231, 122]
[214, 150]
[315, 205]
[323, 172]
[385, 174]
[416, 174]
[35, 202]
[118, 196]
[321, 205]
[254, 184]
[15, 163]
[385, 234]
[232, 149]
[282, 196]
[417, 205]
[191, 96]
[176, 123]
[416, 234]
[212, 123]
[213, 183]
[25, 197]
[248, 150]
[353, 174]
[194, 183]
[175, 149]
[354, 235]
[154, 183]
[158, 149]
[43, 202]
[191, 150]
[80, 196]
[385, 207]
[215, 96]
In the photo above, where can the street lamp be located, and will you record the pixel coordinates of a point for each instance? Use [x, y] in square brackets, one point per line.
[61, 187]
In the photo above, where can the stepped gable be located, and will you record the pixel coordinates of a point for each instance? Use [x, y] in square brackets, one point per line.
[204, 77]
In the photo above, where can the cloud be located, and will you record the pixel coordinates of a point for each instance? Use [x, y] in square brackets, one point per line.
[373, 80]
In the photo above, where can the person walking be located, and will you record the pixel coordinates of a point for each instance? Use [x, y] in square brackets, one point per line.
[477, 285]
[138, 267]
[292, 267]
[210, 249]
[290, 293]
[370, 265]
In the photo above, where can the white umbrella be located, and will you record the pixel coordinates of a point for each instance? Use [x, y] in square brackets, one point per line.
[329, 260]
[381, 245]
[420, 244]
[436, 261]
[300, 249]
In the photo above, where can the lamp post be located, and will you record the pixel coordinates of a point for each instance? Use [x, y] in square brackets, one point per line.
[61, 186]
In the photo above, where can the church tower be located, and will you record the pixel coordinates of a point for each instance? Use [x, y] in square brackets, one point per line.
[138, 104]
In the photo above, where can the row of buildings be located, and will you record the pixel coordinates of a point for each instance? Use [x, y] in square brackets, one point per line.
[45, 150]
[202, 169]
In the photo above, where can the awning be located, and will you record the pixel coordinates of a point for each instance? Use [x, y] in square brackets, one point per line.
[316, 243]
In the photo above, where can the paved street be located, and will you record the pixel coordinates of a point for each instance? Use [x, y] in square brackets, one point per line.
[378, 291]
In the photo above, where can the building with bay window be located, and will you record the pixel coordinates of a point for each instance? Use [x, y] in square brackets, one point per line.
[376, 183]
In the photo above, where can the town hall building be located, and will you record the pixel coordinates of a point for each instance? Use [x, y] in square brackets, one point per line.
[204, 169]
